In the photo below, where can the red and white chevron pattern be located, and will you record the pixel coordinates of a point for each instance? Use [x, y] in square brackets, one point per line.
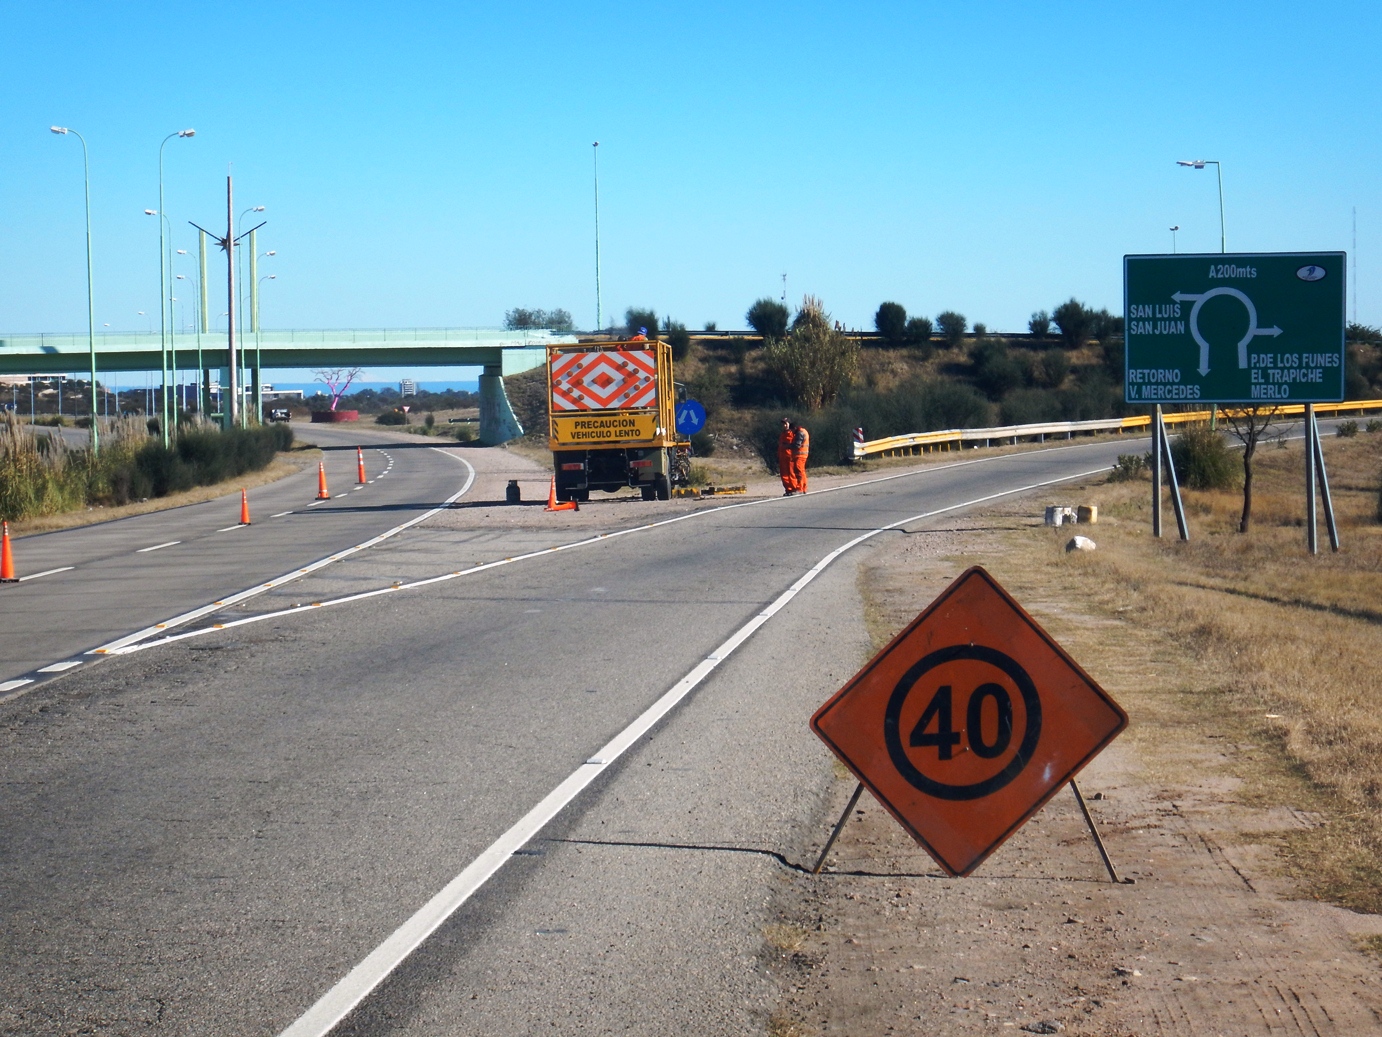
[610, 380]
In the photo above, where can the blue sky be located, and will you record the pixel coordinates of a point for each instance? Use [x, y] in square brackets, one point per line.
[430, 164]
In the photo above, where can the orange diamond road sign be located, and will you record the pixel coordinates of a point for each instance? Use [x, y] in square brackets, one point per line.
[968, 722]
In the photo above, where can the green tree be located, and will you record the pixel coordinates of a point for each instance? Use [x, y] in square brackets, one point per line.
[1040, 325]
[814, 361]
[1076, 323]
[554, 320]
[634, 318]
[952, 327]
[768, 317]
[891, 323]
[919, 331]
[679, 339]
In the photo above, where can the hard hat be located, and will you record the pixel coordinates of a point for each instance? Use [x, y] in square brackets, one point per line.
[642, 331]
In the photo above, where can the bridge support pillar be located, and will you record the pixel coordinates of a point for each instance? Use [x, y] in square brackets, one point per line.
[498, 424]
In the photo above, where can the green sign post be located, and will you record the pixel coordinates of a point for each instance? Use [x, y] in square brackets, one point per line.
[1254, 328]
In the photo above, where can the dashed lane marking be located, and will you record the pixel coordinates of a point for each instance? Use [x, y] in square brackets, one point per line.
[59, 667]
[46, 572]
[157, 547]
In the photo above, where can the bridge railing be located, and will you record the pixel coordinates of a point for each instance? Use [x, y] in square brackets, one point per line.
[955, 439]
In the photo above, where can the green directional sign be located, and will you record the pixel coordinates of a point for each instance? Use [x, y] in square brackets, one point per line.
[1256, 327]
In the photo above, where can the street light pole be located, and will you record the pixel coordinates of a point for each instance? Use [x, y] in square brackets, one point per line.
[599, 318]
[1200, 163]
[258, 367]
[164, 290]
[1173, 238]
[90, 295]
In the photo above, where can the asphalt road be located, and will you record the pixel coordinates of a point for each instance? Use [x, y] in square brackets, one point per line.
[86, 587]
[206, 836]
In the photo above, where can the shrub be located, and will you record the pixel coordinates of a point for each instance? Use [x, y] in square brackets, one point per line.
[768, 317]
[392, 417]
[1029, 407]
[1040, 325]
[1203, 460]
[996, 371]
[635, 318]
[919, 331]
[702, 444]
[430, 422]
[711, 326]
[1106, 327]
[951, 326]
[464, 432]
[1374, 425]
[814, 361]
[1129, 467]
[891, 322]
[1075, 321]
[709, 388]
[1347, 429]
[679, 339]
[1051, 368]
[981, 331]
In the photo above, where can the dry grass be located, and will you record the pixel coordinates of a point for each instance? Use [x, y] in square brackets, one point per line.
[1245, 639]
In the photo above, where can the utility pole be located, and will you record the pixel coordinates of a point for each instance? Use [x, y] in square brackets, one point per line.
[599, 316]
[230, 416]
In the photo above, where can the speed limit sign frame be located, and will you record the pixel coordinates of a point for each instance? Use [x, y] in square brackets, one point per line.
[963, 768]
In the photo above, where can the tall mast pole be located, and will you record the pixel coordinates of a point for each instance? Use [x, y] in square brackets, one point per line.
[599, 318]
[232, 415]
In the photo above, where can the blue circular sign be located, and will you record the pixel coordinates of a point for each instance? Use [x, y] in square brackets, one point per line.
[690, 417]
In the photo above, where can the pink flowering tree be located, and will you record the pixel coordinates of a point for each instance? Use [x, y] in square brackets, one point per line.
[337, 381]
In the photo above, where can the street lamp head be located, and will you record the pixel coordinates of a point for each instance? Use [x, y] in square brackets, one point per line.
[271, 252]
[182, 251]
[57, 129]
[1175, 228]
[257, 208]
[187, 133]
[150, 212]
[1194, 163]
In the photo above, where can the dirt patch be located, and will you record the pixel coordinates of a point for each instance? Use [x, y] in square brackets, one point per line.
[1245, 785]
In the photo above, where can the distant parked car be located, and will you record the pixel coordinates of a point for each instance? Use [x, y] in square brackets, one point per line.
[280, 414]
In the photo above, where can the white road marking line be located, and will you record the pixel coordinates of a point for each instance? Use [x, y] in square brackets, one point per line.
[157, 547]
[229, 528]
[46, 572]
[341, 999]
[129, 648]
[187, 617]
[315, 503]
[11, 685]
[342, 494]
[281, 514]
[59, 667]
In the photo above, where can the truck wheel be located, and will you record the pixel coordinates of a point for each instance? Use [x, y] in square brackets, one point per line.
[582, 496]
[563, 495]
[662, 487]
[649, 493]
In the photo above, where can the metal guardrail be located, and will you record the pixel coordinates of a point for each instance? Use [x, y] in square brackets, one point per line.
[956, 439]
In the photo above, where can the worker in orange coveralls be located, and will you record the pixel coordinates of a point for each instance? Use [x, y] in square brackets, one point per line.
[784, 458]
[801, 447]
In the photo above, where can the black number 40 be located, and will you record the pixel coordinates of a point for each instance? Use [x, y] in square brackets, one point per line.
[945, 737]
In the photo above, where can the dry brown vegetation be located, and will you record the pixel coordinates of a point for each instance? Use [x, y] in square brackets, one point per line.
[1251, 639]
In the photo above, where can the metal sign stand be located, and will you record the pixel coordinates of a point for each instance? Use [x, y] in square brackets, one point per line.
[1084, 809]
[1314, 472]
[1161, 453]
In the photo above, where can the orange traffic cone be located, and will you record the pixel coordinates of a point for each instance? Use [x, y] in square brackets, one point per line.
[322, 492]
[552, 504]
[7, 559]
[244, 508]
[360, 464]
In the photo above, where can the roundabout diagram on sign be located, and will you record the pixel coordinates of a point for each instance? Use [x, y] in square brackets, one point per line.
[1252, 332]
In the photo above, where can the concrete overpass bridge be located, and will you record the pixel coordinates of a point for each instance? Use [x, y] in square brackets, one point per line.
[496, 352]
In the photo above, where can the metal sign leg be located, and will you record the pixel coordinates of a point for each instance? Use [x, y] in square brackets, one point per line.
[1176, 502]
[1324, 491]
[1089, 820]
[1312, 434]
[839, 827]
[1157, 434]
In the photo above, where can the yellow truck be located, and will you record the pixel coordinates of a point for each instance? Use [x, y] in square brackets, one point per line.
[611, 421]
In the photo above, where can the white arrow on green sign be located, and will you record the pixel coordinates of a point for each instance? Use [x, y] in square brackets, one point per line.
[1258, 328]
